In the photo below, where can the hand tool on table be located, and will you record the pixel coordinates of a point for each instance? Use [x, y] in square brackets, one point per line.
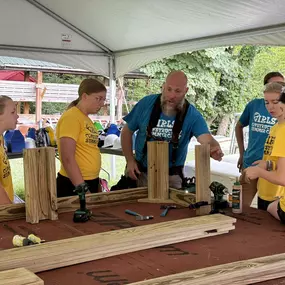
[20, 241]
[166, 209]
[82, 215]
[139, 217]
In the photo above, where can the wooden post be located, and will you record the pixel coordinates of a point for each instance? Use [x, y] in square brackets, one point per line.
[40, 184]
[26, 104]
[157, 172]
[39, 97]
[203, 177]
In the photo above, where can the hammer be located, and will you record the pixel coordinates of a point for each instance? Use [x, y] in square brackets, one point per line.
[139, 217]
[167, 208]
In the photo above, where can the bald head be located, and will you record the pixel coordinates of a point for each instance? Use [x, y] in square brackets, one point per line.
[177, 77]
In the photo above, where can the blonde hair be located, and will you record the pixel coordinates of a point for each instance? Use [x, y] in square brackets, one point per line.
[3, 100]
[274, 87]
[88, 86]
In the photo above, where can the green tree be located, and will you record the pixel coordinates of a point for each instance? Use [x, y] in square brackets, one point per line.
[217, 78]
[268, 60]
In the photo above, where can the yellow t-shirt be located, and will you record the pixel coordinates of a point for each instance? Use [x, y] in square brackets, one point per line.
[5, 171]
[273, 149]
[76, 125]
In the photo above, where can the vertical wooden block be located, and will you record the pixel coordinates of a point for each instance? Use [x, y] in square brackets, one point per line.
[158, 172]
[162, 161]
[40, 184]
[203, 177]
[151, 170]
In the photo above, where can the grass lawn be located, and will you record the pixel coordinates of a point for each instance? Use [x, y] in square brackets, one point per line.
[18, 172]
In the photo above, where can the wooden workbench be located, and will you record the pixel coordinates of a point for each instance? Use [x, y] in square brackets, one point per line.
[257, 234]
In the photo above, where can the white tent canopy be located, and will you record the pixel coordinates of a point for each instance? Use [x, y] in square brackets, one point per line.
[90, 34]
[113, 37]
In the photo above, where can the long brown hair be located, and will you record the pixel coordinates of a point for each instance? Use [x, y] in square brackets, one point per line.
[88, 86]
[3, 100]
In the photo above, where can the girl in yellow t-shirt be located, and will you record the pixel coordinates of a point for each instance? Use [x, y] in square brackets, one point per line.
[78, 141]
[8, 121]
[270, 170]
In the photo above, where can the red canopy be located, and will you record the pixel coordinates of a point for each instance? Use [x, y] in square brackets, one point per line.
[14, 76]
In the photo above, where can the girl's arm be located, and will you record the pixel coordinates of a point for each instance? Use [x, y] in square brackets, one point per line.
[67, 147]
[4, 198]
[277, 176]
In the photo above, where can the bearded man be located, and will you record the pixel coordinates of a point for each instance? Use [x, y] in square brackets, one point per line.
[165, 117]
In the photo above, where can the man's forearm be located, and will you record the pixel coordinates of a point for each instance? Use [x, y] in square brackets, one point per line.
[240, 139]
[127, 143]
[214, 143]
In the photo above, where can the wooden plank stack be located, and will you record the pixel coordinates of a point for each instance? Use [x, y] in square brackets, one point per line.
[40, 184]
[61, 253]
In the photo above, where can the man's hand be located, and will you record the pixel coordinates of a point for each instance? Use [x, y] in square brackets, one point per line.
[240, 163]
[261, 164]
[132, 169]
[252, 172]
[216, 153]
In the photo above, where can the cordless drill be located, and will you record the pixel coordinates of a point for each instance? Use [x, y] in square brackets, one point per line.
[83, 214]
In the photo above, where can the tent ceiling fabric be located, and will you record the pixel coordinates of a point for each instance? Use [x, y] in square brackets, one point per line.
[86, 34]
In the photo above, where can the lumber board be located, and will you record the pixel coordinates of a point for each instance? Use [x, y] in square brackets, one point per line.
[19, 276]
[203, 177]
[67, 204]
[61, 253]
[103, 199]
[243, 272]
[181, 198]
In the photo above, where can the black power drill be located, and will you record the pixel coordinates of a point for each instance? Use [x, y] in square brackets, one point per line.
[82, 215]
[219, 203]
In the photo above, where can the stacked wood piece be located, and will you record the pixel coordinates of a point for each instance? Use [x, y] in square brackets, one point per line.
[61, 253]
[40, 184]
[157, 172]
[19, 276]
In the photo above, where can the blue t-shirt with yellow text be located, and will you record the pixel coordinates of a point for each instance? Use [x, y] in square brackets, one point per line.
[138, 119]
[259, 121]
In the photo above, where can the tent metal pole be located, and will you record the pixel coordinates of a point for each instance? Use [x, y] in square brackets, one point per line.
[112, 85]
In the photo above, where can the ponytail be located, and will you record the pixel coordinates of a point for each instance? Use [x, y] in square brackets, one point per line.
[73, 103]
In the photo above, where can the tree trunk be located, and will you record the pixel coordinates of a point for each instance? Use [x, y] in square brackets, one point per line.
[223, 126]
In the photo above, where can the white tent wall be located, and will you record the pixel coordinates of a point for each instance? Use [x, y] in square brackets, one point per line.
[132, 59]
[89, 34]
[134, 32]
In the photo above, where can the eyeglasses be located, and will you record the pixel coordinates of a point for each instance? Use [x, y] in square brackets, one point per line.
[101, 99]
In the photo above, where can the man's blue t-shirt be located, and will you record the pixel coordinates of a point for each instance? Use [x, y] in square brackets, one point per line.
[256, 116]
[138, 119]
